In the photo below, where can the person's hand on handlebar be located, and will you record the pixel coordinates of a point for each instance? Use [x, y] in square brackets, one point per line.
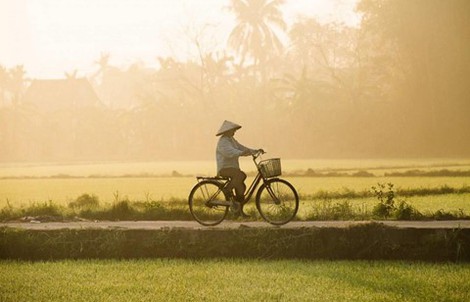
[258, 152]
[254, 153]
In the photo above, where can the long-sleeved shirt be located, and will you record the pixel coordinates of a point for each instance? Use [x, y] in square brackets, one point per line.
[227, 153]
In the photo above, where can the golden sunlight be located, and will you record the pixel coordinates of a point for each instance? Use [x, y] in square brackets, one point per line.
[51, 37]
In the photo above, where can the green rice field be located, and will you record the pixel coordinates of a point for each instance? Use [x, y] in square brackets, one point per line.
[232, 280]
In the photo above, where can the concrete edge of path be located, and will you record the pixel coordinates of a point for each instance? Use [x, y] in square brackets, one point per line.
[158, 225]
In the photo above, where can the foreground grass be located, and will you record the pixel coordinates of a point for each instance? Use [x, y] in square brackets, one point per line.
[232, 280]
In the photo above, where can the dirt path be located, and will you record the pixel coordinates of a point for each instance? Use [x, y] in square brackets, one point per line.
[157, 225]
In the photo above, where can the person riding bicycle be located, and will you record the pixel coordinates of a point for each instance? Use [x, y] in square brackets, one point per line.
[227, 153]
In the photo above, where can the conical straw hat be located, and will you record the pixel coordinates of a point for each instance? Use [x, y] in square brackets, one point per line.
[227, 126]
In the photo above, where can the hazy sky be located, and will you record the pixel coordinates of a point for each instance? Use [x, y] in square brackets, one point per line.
[50, 37]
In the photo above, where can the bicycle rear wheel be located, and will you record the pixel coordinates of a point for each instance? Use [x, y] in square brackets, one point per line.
[207, 203]
[277, 201]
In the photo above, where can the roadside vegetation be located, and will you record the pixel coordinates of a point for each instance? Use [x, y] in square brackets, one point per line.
[381, 201]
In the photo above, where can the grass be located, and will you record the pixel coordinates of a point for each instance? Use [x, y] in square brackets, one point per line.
[232, 280]
[440, 207]
[120, 210]
[361, 208]
[344, 204]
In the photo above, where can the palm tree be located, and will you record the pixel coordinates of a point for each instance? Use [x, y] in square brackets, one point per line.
[103, 63]
[101, 78]
[253, 37]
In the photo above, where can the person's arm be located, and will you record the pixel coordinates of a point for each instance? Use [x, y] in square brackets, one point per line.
[227, 149]
[246, 151]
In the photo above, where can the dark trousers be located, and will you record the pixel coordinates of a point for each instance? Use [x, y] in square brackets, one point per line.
[238, 181]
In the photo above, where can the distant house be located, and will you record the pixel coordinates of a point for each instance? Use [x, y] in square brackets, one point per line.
[63, 94]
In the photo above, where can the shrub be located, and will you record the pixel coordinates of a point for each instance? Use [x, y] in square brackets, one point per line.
[122, 210]
[332, 211]
[85, 202]
[387, 208]
[150, 210]
[449, 215]
[7, 212]
[405, 211]
[381, 210]
[386, 200]
[43, 209]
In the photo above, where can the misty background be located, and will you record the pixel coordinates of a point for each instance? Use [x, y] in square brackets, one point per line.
[394, 85]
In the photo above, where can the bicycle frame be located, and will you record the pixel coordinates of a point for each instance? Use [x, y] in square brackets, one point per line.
[254, 184]
[251, 190]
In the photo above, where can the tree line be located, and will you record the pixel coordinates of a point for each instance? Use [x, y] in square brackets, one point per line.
[396, 86]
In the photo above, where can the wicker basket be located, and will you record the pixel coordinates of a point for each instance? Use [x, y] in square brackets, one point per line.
[270, 167]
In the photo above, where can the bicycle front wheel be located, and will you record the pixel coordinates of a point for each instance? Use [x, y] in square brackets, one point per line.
[207, 203]
[277, 201]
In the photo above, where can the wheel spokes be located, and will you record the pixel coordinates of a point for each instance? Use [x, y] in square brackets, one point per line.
[207, 203]
[277, 202]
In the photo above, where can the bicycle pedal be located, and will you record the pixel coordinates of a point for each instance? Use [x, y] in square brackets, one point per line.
[235, 207]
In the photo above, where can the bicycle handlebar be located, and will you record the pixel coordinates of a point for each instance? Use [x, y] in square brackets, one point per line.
[257, 153]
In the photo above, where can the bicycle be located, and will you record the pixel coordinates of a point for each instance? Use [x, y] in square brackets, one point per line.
[277, 200]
